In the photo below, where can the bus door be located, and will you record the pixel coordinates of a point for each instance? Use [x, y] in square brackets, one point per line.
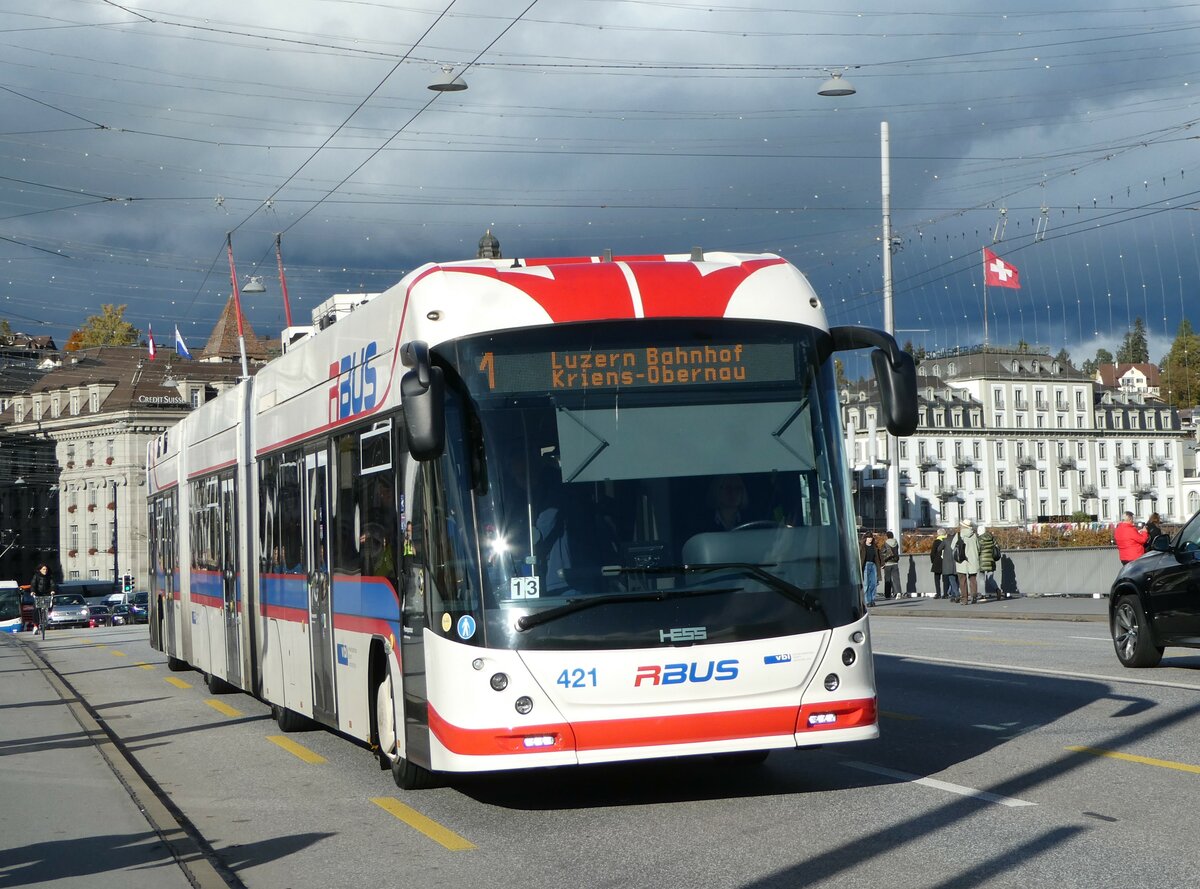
[229, 581]
[320, 606]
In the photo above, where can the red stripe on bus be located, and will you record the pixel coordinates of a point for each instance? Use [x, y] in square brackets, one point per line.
[217, 468]
[283, 612]
[650, 731]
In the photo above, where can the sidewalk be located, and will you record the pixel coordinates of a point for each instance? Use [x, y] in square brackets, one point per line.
[72, 811]
[1076, 608]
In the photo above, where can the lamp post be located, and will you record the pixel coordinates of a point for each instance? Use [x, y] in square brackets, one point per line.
[889, 322]
[116, 572]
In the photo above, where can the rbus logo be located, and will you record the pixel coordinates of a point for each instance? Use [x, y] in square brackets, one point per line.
[354, 391]
[675, 674]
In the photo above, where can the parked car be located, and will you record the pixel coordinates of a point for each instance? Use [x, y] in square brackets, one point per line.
[1153, 602]
[139, 607]
[69, 610]
[101, 616]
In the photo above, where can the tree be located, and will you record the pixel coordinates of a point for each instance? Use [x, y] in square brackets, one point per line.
[1180, 368]
[109, 328]
[1103, 356]
[1063, 357]
[5, 328]
[839, 373]
[74, 342]
[1134, 349]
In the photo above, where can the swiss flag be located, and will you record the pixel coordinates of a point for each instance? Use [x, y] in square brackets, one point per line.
[998, 273]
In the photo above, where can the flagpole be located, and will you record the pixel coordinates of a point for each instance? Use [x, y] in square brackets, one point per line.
[985, 317]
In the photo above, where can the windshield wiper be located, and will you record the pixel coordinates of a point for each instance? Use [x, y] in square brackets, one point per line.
[801, 597]
[529, 621]
[790, 591]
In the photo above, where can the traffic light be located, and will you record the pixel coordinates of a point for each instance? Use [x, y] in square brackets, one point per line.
[127, 583]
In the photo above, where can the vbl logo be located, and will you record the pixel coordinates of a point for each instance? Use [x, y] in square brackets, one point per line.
[355, 391]
[674, 674]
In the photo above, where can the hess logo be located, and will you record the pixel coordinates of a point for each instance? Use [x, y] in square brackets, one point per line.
[354, 388]
[676, 674]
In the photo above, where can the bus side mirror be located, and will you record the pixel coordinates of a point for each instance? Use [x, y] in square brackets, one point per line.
[422, 396]
[895, 373]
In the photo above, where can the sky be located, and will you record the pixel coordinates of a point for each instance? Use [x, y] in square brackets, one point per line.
[138, 140]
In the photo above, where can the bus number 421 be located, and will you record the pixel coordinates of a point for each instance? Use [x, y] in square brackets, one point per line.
[577, 678]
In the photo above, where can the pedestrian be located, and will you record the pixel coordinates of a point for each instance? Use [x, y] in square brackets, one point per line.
[891, 566]
[1130, 539]
[949, 572]
[935, 562]
[870, 556]
[1153, 529]
[989, 556]
[966, 561]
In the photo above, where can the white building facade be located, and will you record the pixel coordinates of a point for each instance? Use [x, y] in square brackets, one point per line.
[1016, 438]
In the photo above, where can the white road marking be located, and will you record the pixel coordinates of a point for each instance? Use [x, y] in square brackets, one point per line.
[958, 789]
[1092, 638]
[1058, 674]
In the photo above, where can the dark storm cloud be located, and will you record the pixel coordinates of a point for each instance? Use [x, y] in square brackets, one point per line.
[634, 125]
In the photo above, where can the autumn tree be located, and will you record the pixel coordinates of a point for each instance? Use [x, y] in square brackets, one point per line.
[109, 328]
[1180, 368]
[74, 342]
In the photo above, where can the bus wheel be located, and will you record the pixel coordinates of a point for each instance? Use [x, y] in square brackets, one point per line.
[217, 685]
[175, 665]
[409, 776]
[288, 720]
[385, 721]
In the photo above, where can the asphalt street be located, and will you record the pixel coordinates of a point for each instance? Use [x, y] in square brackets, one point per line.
[1015, 752]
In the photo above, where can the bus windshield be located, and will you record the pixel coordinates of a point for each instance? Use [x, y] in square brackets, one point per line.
[617, 486]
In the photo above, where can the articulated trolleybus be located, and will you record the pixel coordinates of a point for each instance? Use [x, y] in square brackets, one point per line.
[515, 514]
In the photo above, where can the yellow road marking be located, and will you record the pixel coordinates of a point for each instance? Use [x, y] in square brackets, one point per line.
[178, 683]
[144, 665]
[297, 750]
[223, 708]
[904, 716]
[414, 819]
[116, 653]
[1144, 760]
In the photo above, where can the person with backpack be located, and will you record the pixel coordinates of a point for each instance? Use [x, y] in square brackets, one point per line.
[966, 562]
[891, 566]
[989, 556]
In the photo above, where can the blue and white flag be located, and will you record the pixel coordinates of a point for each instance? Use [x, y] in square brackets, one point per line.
[181, 348]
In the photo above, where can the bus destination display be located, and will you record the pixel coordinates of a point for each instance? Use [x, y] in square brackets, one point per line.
[641, 367]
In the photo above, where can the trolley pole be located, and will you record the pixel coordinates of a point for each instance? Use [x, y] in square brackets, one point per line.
[892, 510]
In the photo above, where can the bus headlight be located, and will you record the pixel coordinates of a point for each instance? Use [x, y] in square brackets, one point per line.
[499, 681]
[832, 682]
[524, 705]
[857, 637]
[848, 656]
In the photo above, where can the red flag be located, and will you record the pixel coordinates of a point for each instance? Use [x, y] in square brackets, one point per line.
[998, 273]
[153, 351]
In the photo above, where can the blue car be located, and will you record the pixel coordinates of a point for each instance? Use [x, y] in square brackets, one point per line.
[139, 607]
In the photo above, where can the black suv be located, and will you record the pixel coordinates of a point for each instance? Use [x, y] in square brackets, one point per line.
[1155, 600]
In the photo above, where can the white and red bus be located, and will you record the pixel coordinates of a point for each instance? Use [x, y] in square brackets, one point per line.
[513, 514]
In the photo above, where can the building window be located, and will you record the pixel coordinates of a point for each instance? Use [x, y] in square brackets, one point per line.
[194, 397]
[90, 448]
[1079, 449]
[74, 404]
[94, 535]
[94, 402]
[1020, 449]
[74, 575]
[1041, 450]
[1020, 421]
[1104, 478]
[1000, 477]
[73, 538]
[1000, 450]
[1043, 506]
[1002, 511]
[940, 448]
[1101, 450]
[1105, 509]
[903, 449]
[92, 497]
[19, 412]
[55, 405]
[939, 419]
[1062, 506]
[1062, 479]
[1041, 478]
[976, 449]
[1133, 421]
[999, 421]
[94, 574]
[1170, 506]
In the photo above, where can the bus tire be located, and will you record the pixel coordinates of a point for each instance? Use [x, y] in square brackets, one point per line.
[409, 776]
[176, 665]
[288, 720]
[217, 685]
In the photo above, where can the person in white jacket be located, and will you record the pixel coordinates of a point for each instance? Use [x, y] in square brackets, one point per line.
[968, 566]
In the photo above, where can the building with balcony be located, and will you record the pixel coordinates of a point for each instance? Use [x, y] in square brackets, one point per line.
[1021, 438]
